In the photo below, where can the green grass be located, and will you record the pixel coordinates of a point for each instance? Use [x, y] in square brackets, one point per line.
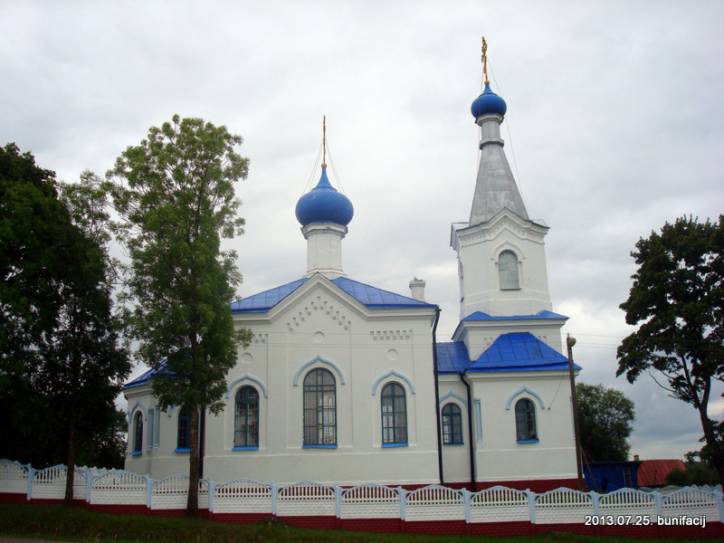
[81, 525]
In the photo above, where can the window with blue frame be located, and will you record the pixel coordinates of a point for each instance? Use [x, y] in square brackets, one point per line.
[183, 436]
[525, 427]
[394, 415]
[452, 425]
[508, 271]
[138, 433]
[320, 409]
[246, 418]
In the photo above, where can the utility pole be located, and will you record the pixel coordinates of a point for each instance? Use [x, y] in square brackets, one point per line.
[570, 342]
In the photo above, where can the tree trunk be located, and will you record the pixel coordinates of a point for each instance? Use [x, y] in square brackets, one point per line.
[70, 459]
[711, 441]
[192, 506]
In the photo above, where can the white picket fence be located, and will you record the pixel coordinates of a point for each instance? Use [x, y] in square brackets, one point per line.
[369, 501]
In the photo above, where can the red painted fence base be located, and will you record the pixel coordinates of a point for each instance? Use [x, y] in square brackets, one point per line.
[8, 497]
[121, 509]
[317, 523]
[240, 518]
[440, 527]
[500, 528]
[386, 525]
[457, 527]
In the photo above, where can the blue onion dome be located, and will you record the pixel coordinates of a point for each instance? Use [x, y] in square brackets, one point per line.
[488, 103]
[324, 204]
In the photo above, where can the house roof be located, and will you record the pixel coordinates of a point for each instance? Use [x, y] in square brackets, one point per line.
[654, 472]
[145, 377]
[369, 296]
[541, 315]
[452, 357]
[516, 351]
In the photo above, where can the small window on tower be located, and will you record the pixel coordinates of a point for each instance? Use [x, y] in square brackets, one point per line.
[508, 271]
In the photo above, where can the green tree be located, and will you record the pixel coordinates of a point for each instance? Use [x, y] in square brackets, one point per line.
[696, 472]
[33, 222]
[88, 364]
[677, 299]
[175, 195]
[60, 343]
[605, 417]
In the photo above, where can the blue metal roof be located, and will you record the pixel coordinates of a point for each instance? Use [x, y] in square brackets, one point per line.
[264, 301]
[377, 298]
[146, 376]
[517, 351]
[372, 297]
[452, 357]
[541, 315]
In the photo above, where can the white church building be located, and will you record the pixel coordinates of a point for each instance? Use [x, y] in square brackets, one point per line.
[346, 383]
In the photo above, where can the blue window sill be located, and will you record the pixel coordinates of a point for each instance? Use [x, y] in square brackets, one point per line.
[182, 450]
[236, 449]
[392, 445]
[305, 446]
[527, 441]
[456, 444]
[136, 453]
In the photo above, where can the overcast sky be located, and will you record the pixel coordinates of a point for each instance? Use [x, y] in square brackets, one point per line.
[614, 126]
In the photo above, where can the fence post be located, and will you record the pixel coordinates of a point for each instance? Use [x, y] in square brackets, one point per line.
[88, 476]
[338, 502]
[149, 491]
[531, 506]
[403, 502]
[659, 504]
[720, 504]
[466, 504]
[31, 476]
[212, 492]
[596, 502]
[274, 498]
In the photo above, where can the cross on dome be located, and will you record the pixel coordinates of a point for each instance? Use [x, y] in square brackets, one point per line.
[488, 103]
[324, 204]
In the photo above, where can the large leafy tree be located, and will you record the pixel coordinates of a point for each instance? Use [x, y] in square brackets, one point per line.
[175, 194]
[62, 361]
[85, 368]
[677, 301]
[605, 417]
[33, 222]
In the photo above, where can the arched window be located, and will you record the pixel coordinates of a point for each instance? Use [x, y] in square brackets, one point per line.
[525, 420]
[452, 425]
[508, 271]
[183, 437]
[320, 409]
[246, 418]
[138, 432]
[394, 415]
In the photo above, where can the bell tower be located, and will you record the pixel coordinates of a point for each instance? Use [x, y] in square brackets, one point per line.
[501, 251]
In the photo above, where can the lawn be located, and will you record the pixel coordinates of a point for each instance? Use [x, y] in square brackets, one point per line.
[80, 524]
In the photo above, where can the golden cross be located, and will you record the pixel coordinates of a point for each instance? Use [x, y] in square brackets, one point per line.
[324, 141]
[484, 58]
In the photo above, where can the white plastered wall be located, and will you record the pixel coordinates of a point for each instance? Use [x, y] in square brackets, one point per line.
[479, 248]
[320, 327]
[499, 457]
[456, 458]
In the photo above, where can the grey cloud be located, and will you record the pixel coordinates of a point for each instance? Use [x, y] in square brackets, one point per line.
[613, 127]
